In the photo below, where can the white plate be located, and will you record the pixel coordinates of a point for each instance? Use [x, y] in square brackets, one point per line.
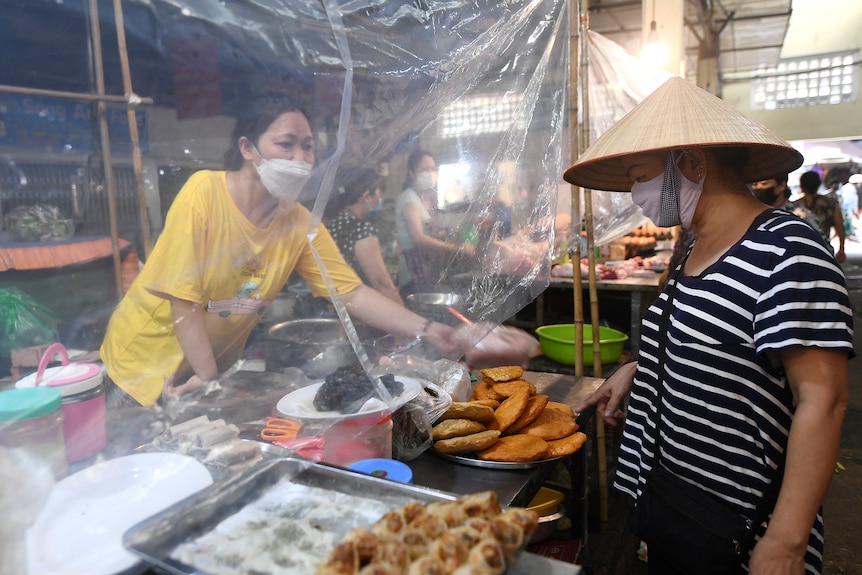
[300, 403]
[81, 527]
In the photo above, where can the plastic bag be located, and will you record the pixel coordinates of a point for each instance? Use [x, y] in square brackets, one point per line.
[24, 322]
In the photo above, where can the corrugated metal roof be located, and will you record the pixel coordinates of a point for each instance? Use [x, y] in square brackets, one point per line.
[750, 32]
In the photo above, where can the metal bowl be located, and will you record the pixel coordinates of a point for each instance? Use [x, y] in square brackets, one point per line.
[317, 346]
[547, 525]
[435, 305]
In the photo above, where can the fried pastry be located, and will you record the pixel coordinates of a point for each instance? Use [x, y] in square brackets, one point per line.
[511, 408]
[484, 505]
[507, 388]
[468, 410]
[564, 407]
[526, 519]
[492, 403]
[455, 428]
[535, 406]
[485, 390]
[566, 445]
[468, 443]
[426, 565]
[343, 560]
[515, 448]
[551, 424]
[487, 556]
[503, 373]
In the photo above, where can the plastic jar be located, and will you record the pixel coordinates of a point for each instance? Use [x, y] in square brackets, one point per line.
[83, 391]
[33, 419]
[346, 441]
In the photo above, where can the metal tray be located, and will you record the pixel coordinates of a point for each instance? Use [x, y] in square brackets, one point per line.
[157, 537]
[508, 465]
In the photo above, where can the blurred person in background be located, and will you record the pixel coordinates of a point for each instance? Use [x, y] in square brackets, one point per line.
[358, 199]
[775, 192]
[424, 249]
[826, 209]
[230, 242]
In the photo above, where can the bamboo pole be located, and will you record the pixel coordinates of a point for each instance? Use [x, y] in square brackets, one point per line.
[82, 96]
[143, 216]
[583, 143]
[107, 165]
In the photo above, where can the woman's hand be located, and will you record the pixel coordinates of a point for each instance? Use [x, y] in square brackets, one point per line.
[611, 394]
[193, 383]
[773, 556]
[441, 336]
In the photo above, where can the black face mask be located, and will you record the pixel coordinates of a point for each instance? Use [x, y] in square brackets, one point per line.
[766, 195]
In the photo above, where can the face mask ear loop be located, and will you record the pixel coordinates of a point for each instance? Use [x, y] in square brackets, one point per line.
[670, 215]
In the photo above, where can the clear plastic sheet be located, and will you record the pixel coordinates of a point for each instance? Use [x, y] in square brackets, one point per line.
[618, 81]
[482, 85]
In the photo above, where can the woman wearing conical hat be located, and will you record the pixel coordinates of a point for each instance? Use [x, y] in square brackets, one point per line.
[752, 356]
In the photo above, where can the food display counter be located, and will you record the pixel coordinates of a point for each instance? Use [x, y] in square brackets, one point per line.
[514, 487]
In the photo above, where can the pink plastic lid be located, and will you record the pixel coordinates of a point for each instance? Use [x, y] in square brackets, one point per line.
[69, 378]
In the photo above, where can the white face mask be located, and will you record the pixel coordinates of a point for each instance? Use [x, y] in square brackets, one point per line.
[426, 180]
[283, 179]
[679, 204]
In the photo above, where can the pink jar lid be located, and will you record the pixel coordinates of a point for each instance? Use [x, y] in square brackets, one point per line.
[69, 378]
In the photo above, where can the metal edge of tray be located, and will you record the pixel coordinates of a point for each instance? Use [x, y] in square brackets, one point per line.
[156, 537]
[506, 465]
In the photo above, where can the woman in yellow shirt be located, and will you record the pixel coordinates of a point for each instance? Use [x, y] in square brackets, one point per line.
[231, 240]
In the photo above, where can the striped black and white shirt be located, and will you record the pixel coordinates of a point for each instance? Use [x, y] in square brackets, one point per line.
[726, 405]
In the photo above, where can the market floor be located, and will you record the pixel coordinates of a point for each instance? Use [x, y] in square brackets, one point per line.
[613, 551]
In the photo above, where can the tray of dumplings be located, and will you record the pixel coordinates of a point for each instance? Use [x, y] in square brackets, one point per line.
[293, 516]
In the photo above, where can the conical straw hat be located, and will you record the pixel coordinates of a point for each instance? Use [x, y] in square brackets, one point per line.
[681, 115]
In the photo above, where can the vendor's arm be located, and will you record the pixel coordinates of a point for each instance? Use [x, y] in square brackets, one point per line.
[368, 254]
[818, 379]
[188, 318]
[381, 312]
[413, 220]
[610, 396]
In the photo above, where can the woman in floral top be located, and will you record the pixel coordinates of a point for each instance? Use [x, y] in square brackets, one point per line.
[359, 197]
[826, 208]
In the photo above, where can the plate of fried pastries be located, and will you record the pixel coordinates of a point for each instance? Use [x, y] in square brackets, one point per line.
[506, 424]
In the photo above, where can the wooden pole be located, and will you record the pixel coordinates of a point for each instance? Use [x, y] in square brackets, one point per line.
[143, 216]
[107, 166]
[82, 96]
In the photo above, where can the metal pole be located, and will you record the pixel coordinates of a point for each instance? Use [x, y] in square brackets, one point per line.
[133, 129]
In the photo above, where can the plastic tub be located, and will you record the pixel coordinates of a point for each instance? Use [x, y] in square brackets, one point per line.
[347, 441]
[558, 343]
[32, 419]
[546, 501]
[83, 395]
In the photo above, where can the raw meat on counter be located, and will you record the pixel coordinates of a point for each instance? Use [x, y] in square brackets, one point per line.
[633, 267]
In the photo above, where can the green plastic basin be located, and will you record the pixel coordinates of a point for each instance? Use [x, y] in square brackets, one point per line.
[558, 343]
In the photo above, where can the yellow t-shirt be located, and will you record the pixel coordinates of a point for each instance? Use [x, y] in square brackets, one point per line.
[209, 253]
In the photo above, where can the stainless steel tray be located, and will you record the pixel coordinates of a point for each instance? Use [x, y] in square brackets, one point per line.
[157, 537]
[476, 462]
